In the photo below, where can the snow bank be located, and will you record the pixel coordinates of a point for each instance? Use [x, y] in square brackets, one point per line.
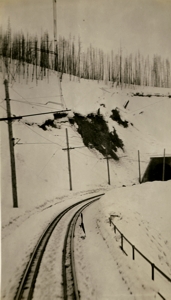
[142, 214]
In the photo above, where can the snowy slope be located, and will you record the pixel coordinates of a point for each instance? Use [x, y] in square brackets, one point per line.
[50, 165]
[142, 214]
[41, 162]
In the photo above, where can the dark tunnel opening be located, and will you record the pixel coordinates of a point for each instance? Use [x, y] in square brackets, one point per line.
[156, 173]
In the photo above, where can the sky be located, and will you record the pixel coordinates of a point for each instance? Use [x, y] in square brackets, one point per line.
[143, 25]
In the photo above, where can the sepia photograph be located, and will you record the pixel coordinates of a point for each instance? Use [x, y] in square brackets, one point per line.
[85, 145]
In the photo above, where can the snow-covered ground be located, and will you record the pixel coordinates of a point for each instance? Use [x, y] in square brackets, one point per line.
[118, 274]
[43, 184]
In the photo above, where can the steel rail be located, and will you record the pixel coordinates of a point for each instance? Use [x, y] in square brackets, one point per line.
[27, 283]
[77, 293]
[70, 285]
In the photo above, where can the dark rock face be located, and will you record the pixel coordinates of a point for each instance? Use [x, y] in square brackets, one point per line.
[95, 134]
[116, 117]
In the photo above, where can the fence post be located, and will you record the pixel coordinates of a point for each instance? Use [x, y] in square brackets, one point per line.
[114, 228]
[152, 266]
[133, 252]
[110, 221]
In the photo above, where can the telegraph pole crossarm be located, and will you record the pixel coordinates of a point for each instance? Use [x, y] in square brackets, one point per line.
[11, 146]
[32, 115]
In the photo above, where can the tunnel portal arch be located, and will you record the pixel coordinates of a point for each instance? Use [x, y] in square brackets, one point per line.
[154, 171]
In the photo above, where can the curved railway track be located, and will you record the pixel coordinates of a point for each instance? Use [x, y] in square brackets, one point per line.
[70, 286]
[27, 283]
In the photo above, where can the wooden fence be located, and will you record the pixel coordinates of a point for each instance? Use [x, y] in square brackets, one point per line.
[134, 249]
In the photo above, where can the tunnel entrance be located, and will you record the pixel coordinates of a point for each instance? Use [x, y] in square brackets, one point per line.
[154, 171]
[157, 173]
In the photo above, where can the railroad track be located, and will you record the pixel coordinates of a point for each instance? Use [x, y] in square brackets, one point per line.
[27, 283]
[70, 286]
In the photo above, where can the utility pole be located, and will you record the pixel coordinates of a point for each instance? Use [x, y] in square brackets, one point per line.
[120, 66]
[69, 161]
[54, 24]
[139, 166]
[108, 170]
[163, 175]
[11, 146]
[55, 43]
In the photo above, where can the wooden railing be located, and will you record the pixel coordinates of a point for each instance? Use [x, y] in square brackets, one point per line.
[134, 249]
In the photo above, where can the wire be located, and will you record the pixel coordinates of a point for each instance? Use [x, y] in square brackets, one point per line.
[34, 143]
[49, 134]
[45, 97]
[9, 70]
[38, 104]
[24, 98]
[146, 106]
[40, 135]
[33, 104]
[48, 161]
[95, 171]
[130, 159]
[3, 107]
[14, 76]
[85, 154]
[77, 137]
[6, 111]
[100, 174]
[95, 164]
